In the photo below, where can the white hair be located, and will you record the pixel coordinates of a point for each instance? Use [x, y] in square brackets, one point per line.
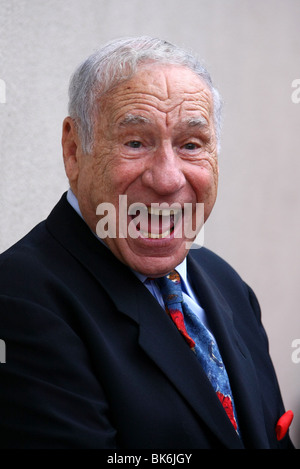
[118, 61]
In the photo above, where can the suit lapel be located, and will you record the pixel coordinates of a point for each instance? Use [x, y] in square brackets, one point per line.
[236, 357]
[161, 340]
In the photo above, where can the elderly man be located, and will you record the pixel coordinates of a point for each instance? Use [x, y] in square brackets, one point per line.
[118, 334]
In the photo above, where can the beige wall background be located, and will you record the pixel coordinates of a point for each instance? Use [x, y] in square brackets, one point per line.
[251, 48]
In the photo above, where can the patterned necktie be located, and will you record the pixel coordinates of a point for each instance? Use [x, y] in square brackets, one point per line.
[199, 340]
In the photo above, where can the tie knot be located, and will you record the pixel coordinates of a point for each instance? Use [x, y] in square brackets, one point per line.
[170, 287]
[174, 276]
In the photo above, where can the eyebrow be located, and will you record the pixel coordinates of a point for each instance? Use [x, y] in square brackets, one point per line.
[195, 121]
[132, 119]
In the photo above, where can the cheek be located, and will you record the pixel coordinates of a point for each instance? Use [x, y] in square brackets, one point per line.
[125, 176]
[210, 193]
[205, 183]
[112, 176]
[85, 176]
[101, 172]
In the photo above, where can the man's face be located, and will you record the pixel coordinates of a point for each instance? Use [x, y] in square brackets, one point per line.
[154, 143]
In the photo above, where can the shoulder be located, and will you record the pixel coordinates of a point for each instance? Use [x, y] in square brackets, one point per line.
[38, 255]
[25, 253]
[213, 264]
[223, 276]
[30, 267]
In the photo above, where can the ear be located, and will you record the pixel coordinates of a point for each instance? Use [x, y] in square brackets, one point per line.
[71, 150]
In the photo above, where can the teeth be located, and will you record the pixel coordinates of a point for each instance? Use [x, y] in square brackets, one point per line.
[163, 211]
[155, 210]
[155, 235]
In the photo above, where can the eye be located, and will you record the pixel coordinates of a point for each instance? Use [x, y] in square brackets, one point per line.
[191, 146]
[134, 144]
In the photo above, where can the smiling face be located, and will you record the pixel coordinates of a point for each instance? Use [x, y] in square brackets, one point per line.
[154, 143]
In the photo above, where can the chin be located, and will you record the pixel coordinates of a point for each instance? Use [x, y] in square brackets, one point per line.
[153, 258]
[156, 267]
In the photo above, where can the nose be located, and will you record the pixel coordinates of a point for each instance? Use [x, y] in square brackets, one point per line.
[164, 173]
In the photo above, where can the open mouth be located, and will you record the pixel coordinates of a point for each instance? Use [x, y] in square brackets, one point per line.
[156, 221]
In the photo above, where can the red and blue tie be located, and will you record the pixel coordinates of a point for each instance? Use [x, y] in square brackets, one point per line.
[199, 340]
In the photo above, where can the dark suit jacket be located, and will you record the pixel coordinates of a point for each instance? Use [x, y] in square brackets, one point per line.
[92, 360]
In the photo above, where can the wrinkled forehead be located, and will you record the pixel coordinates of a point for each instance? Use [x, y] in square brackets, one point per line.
[165, 81]
[168, 89]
